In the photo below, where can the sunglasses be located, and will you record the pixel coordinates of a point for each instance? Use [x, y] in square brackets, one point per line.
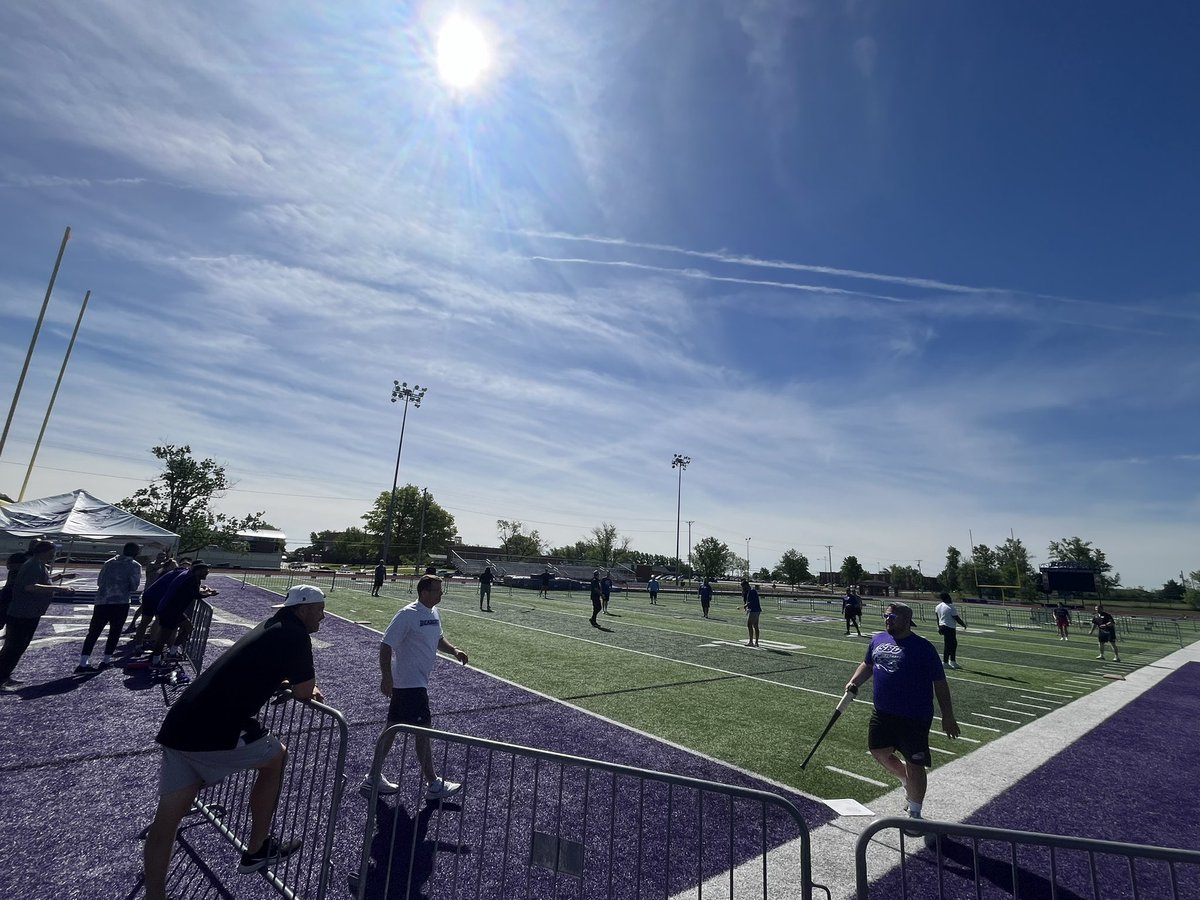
[887, 617]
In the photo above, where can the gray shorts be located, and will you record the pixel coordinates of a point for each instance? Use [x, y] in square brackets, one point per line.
[187, 768]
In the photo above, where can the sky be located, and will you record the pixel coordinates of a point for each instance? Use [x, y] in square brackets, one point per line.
[893, 276]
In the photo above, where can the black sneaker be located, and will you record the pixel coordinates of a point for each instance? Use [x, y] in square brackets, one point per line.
[271, 852]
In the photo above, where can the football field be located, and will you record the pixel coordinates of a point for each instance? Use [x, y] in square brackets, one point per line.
[665, 670]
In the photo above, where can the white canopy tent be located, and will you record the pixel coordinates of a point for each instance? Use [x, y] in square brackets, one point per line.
[79, 516]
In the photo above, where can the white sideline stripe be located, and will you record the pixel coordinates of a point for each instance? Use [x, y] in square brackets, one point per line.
[1031, 705]
[940, 750]
[1015, 712]
[963, 737]
[1047, 693]
[849, 774]
[1042, 700]
[994, 718]
[971, 725]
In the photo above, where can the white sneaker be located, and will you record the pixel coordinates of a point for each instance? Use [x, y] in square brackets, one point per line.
[440, 789]
[385, 786]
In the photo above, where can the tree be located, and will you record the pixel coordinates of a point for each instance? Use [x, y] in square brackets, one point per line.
[577, 550]
[1173, 591]
[353, 545]
[514, 542]
[610, 546]
[180, 500]
[713, 558]
[905, 578]
[852, 572]
[951, 577]
[1013, 566]
[1192, 594]
[980, 568]
[413, 507]
[793, 568]
[763, 574]
[1082, 553]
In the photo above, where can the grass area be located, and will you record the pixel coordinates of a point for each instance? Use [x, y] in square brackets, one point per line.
[667, 671]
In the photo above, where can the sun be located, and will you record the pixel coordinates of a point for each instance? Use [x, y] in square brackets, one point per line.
[463, 55]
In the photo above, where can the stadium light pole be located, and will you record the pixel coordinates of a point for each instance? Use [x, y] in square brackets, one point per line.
[680, 462]
[413, 395]
[747, 557]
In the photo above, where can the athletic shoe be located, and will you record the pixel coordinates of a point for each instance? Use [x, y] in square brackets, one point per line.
[9, 688]
[385, 786]
[271, 852]
[906, 831]
[1100, 657]
[1116, 659]
[953, 665]
[85, 670]
[440, 789]
[13, 679]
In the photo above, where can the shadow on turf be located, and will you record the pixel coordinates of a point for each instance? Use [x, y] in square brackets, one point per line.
[987, 674]
[402, 852]
[999, 872]
[56, 687]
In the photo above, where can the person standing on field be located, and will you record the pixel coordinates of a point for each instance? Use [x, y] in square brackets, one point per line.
[605, 592]
[380, 575]
[706, 593]
[753, 611]
[32, 592]
[406, 655]
[948, 617]
[652, 587]
[1106, 630]
[1062, 619]
[596, 598]
[485, 588]
[908, 675]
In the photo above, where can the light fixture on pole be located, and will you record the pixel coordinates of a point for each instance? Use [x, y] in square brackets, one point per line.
[680, 462]
[413, 395]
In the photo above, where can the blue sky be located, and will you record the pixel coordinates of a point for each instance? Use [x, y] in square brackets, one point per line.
[886, 274]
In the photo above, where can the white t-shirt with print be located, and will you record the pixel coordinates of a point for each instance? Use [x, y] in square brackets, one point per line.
[413, 637]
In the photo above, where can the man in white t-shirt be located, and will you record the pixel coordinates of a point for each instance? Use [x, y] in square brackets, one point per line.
[406, 656]
[948, 618]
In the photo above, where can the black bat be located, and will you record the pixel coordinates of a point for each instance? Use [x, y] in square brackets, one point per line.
[843, 704]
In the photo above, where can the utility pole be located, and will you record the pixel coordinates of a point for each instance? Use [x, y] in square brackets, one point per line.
[690, 522]
[829, 556]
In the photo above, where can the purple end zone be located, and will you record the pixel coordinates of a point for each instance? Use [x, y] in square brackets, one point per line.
[1130, 779]
[78, 764]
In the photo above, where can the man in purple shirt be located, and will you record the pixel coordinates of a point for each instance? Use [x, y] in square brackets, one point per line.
[908, 673]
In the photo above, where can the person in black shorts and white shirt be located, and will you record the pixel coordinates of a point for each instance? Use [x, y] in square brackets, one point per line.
[211, 732]
[406, 656]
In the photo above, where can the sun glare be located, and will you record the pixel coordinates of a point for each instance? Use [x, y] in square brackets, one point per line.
[462, 53]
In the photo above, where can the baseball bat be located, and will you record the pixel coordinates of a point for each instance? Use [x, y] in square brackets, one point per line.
[843, 704]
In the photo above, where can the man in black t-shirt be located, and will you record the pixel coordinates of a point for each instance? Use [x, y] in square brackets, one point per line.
[380, 575]
[1106, 628]
[211, 732]
[485, 588]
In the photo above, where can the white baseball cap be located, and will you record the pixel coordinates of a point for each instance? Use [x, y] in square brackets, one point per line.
[300, 594]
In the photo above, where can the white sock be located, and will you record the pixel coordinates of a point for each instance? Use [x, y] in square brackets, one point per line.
[914, 809]
[83, 659]
[107, 659]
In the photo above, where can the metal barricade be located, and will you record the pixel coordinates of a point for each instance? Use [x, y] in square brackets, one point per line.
[947, 859]
[196, 645]
[313, 782]
[536, 824]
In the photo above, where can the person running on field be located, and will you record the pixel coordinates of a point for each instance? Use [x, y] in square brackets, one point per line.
[908, 675]
[706, 594]
[380, 575]
[211, 732]
[406, 655]
[1106, 630]
[1062, 619]
[852, 610]
[753, 611]
[948, 617]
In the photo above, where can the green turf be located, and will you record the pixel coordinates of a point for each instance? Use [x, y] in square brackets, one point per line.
[667, 671]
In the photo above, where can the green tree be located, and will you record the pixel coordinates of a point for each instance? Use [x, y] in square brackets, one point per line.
[610, 546]
[980, 568]
[1082, 553]
[1192, 594]
[905, 578]
[793, 568]
[580, 550]
[1013, 566]
[763, 574]
[1173, 591]
[713, 558]
[352, 545]
[514, 541]
[951, 576]
[852, 572]
[413, 508]
[180, 499]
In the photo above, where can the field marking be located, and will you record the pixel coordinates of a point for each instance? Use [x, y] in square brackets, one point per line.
[940, 750]
[1015, 712]
[1030, 705]
[971, 725]
[994, 719]
[856, 775]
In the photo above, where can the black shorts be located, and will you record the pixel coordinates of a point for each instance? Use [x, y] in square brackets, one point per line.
[172, 617]
[1108, 635]
[909, 736]
[409, 706]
